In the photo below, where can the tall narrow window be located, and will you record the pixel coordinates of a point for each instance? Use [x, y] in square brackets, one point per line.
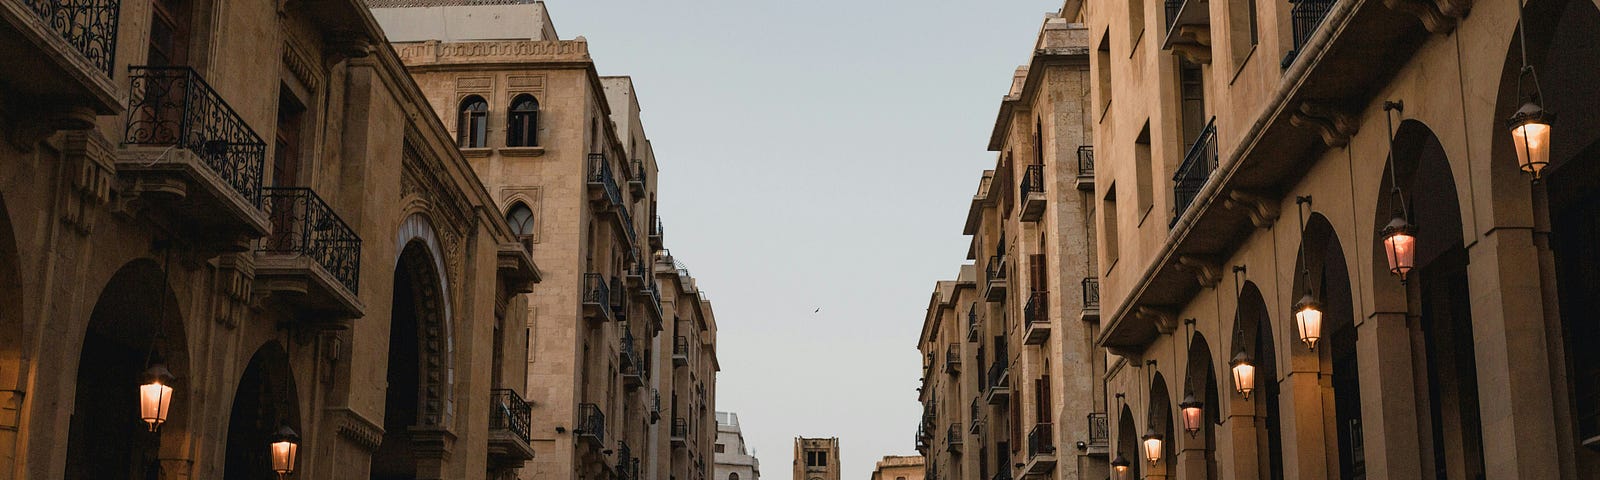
[522, 129]
[472, 130]
[1108, 226]
[286, 148]
[1102, 70]
[520, 218]
[169, 33]
[1135, 24]
[1242, 30]
[1145, 166]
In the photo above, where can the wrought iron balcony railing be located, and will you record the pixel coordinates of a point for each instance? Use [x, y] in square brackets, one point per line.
[680, 428]
[1198, 164]
[509, 413]
[625, 462]
[302, 224]
[655, 407]
[630, 357]
[596, 291]
[1091, 292]
[656, 229]
[1305, 16]
[953, 436]
[997, 268]
[976, 420]
[600, 174]
[1173, 8]
[952, 357]
[1003, 474]
[1032, 180]
[174, 106]
[997, 373]
[972, 323]
[619, 301]
[90, 26]
[1099, 430]
[591, 422]
[1041, 440]
[1037, 310]
[1086, 160]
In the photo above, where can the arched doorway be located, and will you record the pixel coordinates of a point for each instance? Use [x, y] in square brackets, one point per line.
[1159, 421]
[414, 402]
[1198, 458]
[265, 401]
[1127, 444]
[1326, 277]
[1253, 334]
[135, 323]
[1442, 346]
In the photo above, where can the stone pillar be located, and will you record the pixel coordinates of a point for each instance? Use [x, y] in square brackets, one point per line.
[1192, 458]
[1511, 349]
[1241, 428]
[1388, 404]
[1300, 411]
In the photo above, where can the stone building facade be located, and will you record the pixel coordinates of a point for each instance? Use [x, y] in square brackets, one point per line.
[1320, 256]
[897, 467]
[1010, 384]
[245, 213]
[816, 458]
[734, 461]
[622, 366]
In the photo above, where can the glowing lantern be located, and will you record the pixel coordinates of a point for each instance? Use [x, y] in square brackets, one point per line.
[155, 396]
[1530, 131]
[1244, 373]
[1308, 313]
[1120, 466]
[285, 447]
[1152, 446]
[1193, 411]
[1401, 246]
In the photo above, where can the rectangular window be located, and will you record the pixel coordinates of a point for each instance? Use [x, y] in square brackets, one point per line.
[720, 448]
[816, 458]
[1108, 225]
[1102, 70]
[1135, 24]
[1145, 170]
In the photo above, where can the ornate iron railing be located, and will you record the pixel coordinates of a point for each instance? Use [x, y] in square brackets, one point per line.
[1305, 16]
[591, 422]
[90, 26]
[302, 224]
[1196, 169]
[953, 436]
[1041, 440]
[639, 174]
[1174, 7]
[1099, 430]
[596, 291]
[1086, 160]
[976, 420]
[626, 217]
[1032, 180]
[680, 346]
[1003, 474]
[1037, 310]
[972, 323]
[600, 173]
[625, 462]
[630, 357]
[655, 408]
[952, 356]
[1091, 292]
[619, 302]
[680, 427]
[509, 412]
[174, 106]
[656, 229]
[997, 268]
[997, 373]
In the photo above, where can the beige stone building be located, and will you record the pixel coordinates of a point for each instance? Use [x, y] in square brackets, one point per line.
[1010, 384]
[816, 458]
[734, 459]
[1322, 246]
[232, 231]
[621, 368]
[895, 467]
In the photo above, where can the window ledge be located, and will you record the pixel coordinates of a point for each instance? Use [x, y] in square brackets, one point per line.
[476, 152]
[522, 151]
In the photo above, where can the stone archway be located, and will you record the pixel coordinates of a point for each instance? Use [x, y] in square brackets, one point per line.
[265, 400]
[1325, 275]
[1127, 446]
[1253, 333]
[1159, 419]
[417, 404]
[135, 322]
[1197, 455]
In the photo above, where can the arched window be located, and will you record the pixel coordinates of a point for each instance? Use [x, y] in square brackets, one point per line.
[733, 476]
[472, 130]
[520, 217]
[522, 129]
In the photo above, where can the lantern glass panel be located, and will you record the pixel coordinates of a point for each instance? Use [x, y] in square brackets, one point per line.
[1309, 316]
[1152, 448]
[1244, 378]
[1532, 139]
[1192, 415]
[283, 456]
[155, 398]
[1401, 247]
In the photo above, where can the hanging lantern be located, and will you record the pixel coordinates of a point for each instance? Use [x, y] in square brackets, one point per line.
[1244, 374]
[1530, 131]
[1152, 446]
[285, 447]
[155, 395]
[1120, 466]
[1308, 313]
[1193, 411]
[1400, 243]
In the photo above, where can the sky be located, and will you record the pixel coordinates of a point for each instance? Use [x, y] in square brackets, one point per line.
[816, 154]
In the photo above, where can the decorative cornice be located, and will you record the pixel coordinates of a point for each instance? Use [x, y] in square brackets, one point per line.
[357, 429]
[517, 51]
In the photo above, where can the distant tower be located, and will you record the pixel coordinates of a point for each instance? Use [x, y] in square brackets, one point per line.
[816, 458]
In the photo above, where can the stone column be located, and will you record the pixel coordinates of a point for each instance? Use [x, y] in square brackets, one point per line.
[1388, 404]
[1300, 411]
[1511, 349]
[1241, 432]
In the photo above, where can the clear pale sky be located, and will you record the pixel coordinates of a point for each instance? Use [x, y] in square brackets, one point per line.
[816, 154]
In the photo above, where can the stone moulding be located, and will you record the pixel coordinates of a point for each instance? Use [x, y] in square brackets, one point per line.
[477, 52]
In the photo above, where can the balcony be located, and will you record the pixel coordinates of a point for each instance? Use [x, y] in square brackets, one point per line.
[637, 181]
[1003, 474]
[619, 300]
[999, 386]
[952, 359]
[1189, 29]
[1036, 318]
[680, 432]
[656, 229]
[953, 440]
[312, 259]
[59, 60]
[1198, 164]
[645, 288]
[509, 420]
[1041, 450]
[603, 190]
[1099, 434]
[632, 367]
[627, 467]
[1091, 299]
[591, 425]
[680, 351]
[1305, 16]
[597, 298]
[972, 323]
[655, 408]
[977, 423]
[922, 440]
[1086, 168]
[188, 155]
[995, 284]
[1031, 193]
